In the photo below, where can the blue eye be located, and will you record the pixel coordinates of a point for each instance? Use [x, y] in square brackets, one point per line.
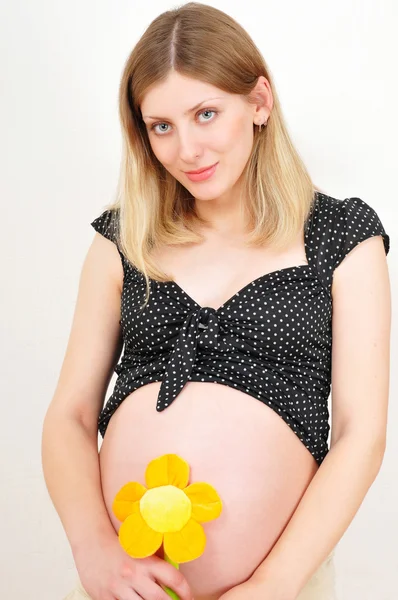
[206, 110]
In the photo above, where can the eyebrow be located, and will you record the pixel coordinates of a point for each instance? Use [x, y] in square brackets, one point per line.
[189, 110]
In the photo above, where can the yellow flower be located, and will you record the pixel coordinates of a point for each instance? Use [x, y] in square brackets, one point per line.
[168, 511]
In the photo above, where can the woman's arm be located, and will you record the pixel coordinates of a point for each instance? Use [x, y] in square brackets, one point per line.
[71, 471]
[324, 513]
[360, 388]
[70, 437]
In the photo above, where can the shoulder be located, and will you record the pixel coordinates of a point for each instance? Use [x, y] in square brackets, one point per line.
[348, 222]
[336, 226]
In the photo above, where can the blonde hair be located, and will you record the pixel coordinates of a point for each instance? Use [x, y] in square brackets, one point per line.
[153, 208]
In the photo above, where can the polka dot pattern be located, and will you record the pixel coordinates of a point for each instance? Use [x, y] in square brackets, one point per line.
[271, 340]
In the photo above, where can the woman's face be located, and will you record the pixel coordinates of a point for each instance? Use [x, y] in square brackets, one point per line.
[219, 131]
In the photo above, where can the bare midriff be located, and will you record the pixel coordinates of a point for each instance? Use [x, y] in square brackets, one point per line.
[238, 444]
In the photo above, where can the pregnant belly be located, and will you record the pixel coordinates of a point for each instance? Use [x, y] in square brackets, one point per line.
[231, 440]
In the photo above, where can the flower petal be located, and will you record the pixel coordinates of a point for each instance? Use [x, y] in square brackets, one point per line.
[126, 501]
[168, 469]
[137, 539]
[187, 544]
[206, 503]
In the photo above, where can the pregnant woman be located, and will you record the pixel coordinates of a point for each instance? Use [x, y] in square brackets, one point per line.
[225, 274]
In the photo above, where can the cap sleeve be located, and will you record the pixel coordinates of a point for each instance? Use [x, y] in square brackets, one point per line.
[107, 225]
[356, 222]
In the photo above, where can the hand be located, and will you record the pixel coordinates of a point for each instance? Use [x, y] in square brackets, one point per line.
[256, 588]
[107, 571]
[250, 589]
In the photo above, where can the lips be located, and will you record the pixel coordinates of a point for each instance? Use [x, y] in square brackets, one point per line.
[200, 170]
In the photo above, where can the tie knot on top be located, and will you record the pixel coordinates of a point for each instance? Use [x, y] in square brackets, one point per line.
[208, 327]
[204, 315]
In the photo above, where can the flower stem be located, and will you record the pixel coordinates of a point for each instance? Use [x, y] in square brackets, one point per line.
[167, 589]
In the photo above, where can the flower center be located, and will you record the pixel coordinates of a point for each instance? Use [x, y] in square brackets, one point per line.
[166, 508]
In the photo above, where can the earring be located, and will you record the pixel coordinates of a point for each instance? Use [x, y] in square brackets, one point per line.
[264, 123]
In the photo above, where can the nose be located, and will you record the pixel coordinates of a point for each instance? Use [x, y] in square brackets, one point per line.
[189, 148]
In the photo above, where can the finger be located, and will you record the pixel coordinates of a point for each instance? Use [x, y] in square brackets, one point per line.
[175, 580]
[132, 595]
[151, 589]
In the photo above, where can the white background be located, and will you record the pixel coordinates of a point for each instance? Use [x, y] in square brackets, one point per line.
[334, 67]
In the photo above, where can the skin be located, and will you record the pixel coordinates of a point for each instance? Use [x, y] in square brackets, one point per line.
[220, 431]
[189, 142]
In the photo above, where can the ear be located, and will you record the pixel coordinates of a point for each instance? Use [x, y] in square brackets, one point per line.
[262, 98]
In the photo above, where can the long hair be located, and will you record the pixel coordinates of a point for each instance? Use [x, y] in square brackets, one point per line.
[152, 207]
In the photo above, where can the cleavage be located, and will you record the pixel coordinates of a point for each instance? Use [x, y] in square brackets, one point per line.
[211, 273]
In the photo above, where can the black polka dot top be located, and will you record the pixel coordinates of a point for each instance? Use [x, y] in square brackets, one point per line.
[271, 340]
